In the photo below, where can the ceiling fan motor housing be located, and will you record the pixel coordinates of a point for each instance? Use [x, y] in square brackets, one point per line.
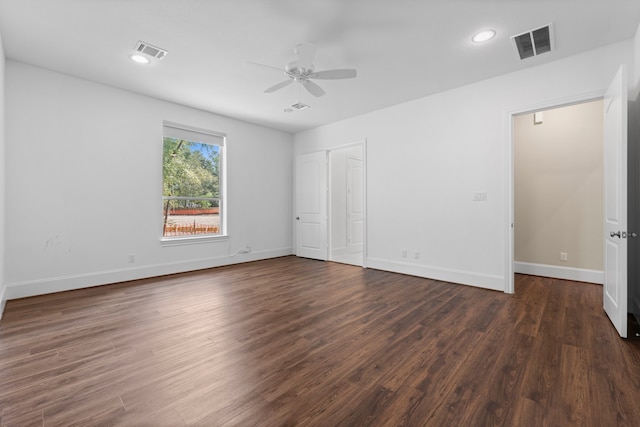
[298, 73]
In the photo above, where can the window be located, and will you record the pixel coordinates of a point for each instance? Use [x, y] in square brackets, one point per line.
[192, 182]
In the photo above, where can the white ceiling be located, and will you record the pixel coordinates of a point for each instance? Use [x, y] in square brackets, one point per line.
[403, 49]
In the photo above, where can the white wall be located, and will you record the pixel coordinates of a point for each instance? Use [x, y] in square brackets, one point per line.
[3, 288]
[426, 159]
[84, 185]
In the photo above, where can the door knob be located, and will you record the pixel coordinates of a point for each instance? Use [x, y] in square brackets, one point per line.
[634, 235]
[297, 218]
[612, 234]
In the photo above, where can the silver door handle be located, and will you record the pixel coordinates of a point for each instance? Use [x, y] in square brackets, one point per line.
[297, 218]
[612, 234]
[634, 235]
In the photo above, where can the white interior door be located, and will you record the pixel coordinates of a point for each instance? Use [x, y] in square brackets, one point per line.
[311, 205]
[615, 196]
[355, 206]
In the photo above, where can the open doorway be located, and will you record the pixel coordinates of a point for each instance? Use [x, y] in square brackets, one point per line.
[615, 212]
[346, 205]
[558, 192]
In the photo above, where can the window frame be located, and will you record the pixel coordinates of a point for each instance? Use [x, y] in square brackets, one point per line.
[204, 136]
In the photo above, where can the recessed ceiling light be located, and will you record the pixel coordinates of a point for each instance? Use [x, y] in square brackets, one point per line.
[140, 59]
[483, 36]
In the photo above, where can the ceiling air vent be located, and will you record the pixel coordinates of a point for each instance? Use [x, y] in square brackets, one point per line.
[152, 51]
[534, 42]
[300, 106]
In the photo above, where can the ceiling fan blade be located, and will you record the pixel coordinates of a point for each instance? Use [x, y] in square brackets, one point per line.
[306, 54]
[267, 66]
[346, 73]
[278, 86]
[313, 88]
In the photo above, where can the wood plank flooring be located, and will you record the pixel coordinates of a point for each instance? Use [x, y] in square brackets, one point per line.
[291, 341]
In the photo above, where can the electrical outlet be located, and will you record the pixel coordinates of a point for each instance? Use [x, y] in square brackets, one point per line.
[404, 253]
[416, 255]
[563, 256]
[132, 258]
[480, 196]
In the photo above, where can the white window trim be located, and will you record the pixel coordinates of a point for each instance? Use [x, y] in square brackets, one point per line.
[190, 240]
[177, 130]
[172, 129]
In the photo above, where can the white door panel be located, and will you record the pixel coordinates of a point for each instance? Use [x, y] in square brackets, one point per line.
[615, 187]
[311, 205]
[355, 205]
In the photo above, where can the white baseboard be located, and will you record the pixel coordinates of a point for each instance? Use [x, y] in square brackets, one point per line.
[479, 280]
[565, 273]
[67, 283]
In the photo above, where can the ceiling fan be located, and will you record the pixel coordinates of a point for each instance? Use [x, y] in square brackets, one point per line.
[302, 71]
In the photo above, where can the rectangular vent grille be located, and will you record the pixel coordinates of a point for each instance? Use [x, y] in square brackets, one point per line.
[152, 51]
[535, 42]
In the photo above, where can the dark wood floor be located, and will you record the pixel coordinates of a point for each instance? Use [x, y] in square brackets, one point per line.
[299, 342]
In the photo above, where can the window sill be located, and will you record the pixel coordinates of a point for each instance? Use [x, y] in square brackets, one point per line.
[191, 240]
